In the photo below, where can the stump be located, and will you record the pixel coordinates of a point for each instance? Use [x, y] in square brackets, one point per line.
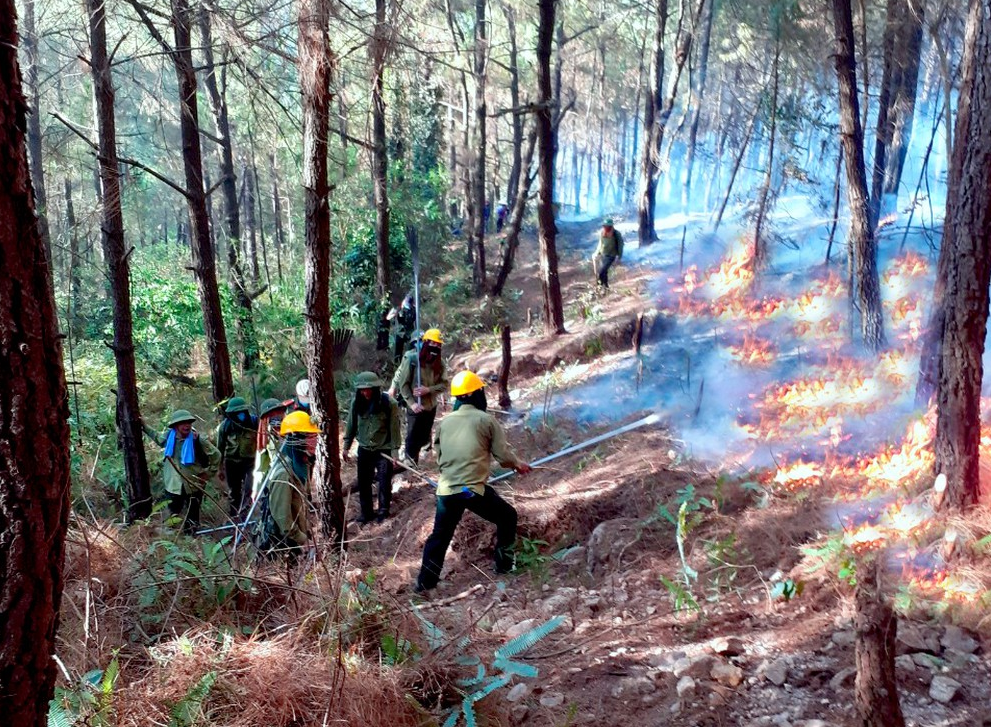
[875, 690]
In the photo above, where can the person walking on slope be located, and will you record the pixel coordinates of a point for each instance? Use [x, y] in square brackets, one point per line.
[467, 439]
[284, 520]
[190, 461]
[374, 422]
[609, 251]
[421, 396]
[236, 437]
[270, 419]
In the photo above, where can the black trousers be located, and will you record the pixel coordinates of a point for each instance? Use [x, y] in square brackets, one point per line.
[605, 262]
[372, 466]
[238, 475]
[418, 429]
[450, 509]
[178, 503]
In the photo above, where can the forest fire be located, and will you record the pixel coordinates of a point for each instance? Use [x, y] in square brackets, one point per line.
[754, 351]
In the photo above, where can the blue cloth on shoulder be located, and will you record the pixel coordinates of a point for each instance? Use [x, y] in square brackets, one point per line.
[187, 454]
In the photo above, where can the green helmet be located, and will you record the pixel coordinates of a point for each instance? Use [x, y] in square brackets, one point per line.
[367, 380]
[270, 405]
[607, 222]
[179, 416]
[236, 404]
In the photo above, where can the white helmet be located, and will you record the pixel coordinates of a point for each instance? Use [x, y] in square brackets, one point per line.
[303, 391]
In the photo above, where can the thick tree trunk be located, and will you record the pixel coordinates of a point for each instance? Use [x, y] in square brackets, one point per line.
[546, 151]
[380, 154]
[517, 168]
[965, 258]
[905, 82]
[316, 65]
[116, 254]
[651, 157]
[478, 147]
[34, 433]
[512, 239]
[699, 96]
[31, 62]
[204, 265]
[875, 689]
[863, 242]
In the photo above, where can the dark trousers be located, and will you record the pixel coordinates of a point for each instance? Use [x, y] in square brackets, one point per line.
[605, 262]
[418, 428]
[178, 503]
[372, 466]
[238, 475]
[450, 508]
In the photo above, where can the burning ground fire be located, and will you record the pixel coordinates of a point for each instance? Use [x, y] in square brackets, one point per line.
[825, 400]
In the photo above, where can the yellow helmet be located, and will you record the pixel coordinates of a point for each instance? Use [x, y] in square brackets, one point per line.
[433, 334]
[298, 422]
[465, 383]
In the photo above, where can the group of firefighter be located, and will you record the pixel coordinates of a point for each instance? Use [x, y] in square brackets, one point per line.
[266, 457]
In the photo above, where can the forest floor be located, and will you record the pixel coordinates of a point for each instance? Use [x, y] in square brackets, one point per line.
[755, 637]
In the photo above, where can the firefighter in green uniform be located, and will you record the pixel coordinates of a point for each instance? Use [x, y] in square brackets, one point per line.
[609, 251]
[236, 439]
[467, 439]
[267, 443]
[421, 398]
[285, 507]
[374, 422]
[190, 461]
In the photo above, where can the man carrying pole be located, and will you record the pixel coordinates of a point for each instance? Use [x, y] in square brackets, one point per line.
[421, 378]
[467, 440]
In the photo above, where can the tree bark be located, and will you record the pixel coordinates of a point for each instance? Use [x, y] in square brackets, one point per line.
[650, 160]
[204, 265]
[875, 689]
[380, 154]
[546, 151]
[34, 433]
[75, 261]
[316, 64]
[507, 361]
[479, 151]
[884, 132]
[862, 241]
[965, 258]
[115, 252]
[905, 82]
[31, 61]
[512, 239]
[516, 168]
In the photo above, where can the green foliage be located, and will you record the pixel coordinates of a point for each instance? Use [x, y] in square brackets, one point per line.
[787, 589]
[89, 702]
[188, 711]
[681, 597]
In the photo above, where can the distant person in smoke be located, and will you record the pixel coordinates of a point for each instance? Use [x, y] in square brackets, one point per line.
[610, 250]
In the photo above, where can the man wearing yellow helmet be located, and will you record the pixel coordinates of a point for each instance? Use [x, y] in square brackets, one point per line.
[284, 502]
[420, 379]
[466, 441]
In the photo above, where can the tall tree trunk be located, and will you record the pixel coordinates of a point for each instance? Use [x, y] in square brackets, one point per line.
[31, 61]
[512, 239]
[380, 154]
[708, 11]
[875, 689]
[478, 147]
[517, 167]
[651, 157]
[34, 433]
[760, 242]
[204, 265]
[507, 361]
[280, 238]
[965, 258]
[75, 261]
[602, 127]
[577, 163]
[251, 224]
[260, 217]
[547, 150]
[885, 119]
[908, 52]
[621, 166]
[862, 241]
[115, 252]
[316, 64]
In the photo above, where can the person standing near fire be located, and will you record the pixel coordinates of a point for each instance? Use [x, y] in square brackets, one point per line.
[421, 378]
[609, 251]
[467, 440]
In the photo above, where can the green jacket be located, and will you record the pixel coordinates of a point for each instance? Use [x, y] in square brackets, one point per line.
[465, 442]
[610, 245]
[406, 378]
[378, 430]
[235, 440]
[287, 504]
[189, 478]
[263, 460]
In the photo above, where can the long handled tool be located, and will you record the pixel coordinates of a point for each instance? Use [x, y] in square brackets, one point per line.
[414, 250]
[646, 421]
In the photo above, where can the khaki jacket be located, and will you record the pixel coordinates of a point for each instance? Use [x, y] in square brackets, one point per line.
[189, 478]
[287, 503]
[406, 378]
[610, 245]
[378, 430]
[466, 441]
